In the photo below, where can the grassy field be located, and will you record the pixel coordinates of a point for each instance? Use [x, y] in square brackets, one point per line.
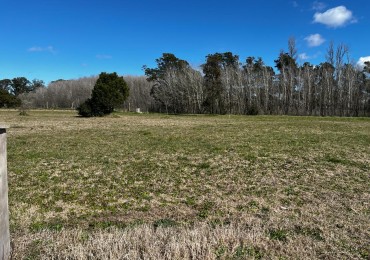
[155, 186]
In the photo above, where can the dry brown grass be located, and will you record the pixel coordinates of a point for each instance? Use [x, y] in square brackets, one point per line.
[201, 187]
[241, 241]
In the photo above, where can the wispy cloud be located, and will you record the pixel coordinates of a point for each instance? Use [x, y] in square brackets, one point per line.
[42, 49]
[335, 17]
[303, 56]
[295, 4]
[361, 61]
[318, 6]
[314, 40]
[103, 56]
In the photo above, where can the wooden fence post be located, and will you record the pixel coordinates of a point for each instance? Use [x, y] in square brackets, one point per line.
[4, 212]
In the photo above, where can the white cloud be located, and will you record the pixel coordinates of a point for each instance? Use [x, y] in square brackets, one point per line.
[42, 49]
[361, 61]
[314, 40]
[335, 17]
[103, 56]
[318, 6]
[303, 56]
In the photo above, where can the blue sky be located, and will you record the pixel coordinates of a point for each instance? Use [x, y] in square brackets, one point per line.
[65, 39]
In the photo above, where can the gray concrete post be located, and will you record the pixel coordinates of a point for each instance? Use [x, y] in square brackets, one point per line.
[4, 212]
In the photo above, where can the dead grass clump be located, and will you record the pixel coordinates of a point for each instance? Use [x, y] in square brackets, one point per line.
[201, 241]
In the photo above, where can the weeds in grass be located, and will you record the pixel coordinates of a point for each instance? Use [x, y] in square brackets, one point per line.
[164, 223]
[278, 234]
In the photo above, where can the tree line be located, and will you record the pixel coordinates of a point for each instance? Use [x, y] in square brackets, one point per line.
[70, 94]
[223, 85]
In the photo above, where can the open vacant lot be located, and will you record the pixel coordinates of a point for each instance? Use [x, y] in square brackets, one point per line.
[204, 187]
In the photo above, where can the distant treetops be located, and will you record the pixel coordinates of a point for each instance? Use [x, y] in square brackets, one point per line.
[10, 89]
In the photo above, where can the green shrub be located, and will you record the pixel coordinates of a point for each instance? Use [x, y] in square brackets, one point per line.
[8, 100]
[109, 92]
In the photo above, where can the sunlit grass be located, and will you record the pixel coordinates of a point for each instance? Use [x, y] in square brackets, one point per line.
[301, 182]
